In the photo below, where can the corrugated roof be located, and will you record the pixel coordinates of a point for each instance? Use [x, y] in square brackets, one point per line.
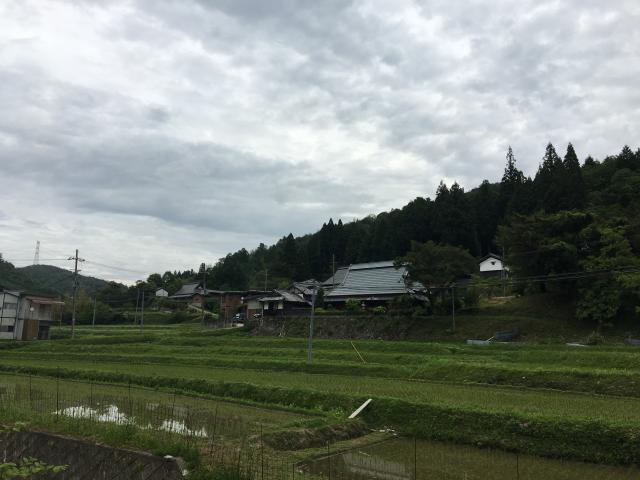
[337, 278]
[372, 279]
[366, 266]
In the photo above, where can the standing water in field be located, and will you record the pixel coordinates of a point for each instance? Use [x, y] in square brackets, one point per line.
[112, 414]
[406, 459]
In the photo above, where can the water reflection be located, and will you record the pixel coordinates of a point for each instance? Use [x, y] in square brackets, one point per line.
[112, 414]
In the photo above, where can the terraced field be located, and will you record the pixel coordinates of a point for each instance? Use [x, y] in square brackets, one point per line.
[551, 400]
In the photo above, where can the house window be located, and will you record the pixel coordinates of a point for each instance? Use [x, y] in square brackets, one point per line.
[10, 305]
[6, 328]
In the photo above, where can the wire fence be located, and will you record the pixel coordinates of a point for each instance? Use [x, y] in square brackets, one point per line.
[158, 412]
[236, 445]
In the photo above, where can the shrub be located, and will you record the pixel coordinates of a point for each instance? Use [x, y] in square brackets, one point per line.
[402, 305]
[471, 297]
[595, 338]
[419, 312]
[179, 316]
[352, 306]
[379, 310]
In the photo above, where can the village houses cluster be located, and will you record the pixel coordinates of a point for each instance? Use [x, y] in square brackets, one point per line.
[29, 315]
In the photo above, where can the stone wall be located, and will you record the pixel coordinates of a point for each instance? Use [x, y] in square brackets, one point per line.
[338, 326]
[87, 460]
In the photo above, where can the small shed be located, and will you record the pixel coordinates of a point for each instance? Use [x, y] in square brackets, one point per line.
[492, 265]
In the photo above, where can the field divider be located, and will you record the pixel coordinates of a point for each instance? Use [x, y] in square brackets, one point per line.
[583, 440]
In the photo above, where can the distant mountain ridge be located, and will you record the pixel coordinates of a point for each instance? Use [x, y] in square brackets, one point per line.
[60, 280]
[46, 279]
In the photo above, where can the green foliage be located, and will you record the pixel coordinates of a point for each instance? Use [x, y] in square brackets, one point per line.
[352, 306]
[595, 338]
[379, 310]
[471, 297]
[466, 219]
[432, 390]
[437, 265]
[29, 468]
[401, 305]
[601, 297]
[58, 280]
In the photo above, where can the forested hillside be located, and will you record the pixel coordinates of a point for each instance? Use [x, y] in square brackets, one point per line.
[46, 279]
[60, 280]
[607, 188]
[13, 278]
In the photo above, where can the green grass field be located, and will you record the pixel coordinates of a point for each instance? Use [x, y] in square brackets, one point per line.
[552, 400]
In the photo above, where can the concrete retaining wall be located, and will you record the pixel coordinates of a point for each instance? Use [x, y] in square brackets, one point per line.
[86, 460]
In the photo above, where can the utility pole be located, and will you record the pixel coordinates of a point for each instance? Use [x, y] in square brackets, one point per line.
[135, 315]
[75, 291]
[93, 322]
[313, 308]
[142, 312]
[453, 307]
[204, 290]
[502, 276]
[333, 270]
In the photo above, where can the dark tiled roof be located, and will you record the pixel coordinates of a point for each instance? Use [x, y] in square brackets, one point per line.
[337, 278]
[373, 279]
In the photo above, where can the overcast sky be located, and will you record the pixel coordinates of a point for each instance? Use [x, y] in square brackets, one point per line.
[153, 135]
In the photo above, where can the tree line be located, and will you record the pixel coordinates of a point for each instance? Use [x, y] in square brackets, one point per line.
[570, 217]
[466, 219]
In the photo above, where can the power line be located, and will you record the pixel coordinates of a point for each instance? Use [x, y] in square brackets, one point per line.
[115, 268]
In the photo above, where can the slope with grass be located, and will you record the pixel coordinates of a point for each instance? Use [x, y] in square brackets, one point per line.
[531, 398]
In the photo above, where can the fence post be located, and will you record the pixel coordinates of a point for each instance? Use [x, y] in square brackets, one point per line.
[239, 454]
[173, 407]
[261, 454]
[415, 458]
[130, 407]
[213, 431]
[57, 393]
[517, 466]
[329, 457]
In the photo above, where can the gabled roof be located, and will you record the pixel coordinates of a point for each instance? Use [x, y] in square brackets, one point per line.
[337, 278]
[374, 279]
[188, 289]
[285, 296]
[490, 255]
[306, 287]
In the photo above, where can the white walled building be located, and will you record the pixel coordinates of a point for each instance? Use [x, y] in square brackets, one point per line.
[161, 292]
[492, 265]
[24, 316]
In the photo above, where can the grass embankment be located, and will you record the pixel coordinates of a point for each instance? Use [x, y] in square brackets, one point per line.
[541, 318]
[400, 376]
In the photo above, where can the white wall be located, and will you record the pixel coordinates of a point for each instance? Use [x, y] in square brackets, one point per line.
[491, 264]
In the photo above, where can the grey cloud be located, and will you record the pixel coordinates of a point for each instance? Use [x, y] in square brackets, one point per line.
[243, 120]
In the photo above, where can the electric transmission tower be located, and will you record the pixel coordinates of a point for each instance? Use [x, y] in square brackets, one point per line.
[36, 257]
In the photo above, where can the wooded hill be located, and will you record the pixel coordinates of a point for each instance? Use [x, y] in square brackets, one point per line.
[608, 188]
[46, 279]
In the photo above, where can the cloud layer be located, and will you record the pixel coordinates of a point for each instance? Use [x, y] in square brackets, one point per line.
[155, 135]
